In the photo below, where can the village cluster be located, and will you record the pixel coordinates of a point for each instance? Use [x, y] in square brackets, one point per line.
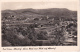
[42, 30]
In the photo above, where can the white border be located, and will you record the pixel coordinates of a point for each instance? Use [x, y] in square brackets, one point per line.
[58, 48]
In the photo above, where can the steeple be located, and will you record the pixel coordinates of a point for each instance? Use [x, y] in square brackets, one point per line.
[47, 16]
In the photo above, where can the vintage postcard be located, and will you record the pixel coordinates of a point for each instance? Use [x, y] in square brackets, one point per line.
[39, 26]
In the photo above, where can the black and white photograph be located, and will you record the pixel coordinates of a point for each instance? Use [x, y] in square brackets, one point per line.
[39, 23]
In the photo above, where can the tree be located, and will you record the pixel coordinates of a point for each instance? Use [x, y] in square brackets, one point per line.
[42, 35]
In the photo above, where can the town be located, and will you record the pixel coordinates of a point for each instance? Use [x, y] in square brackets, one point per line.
[28, 28]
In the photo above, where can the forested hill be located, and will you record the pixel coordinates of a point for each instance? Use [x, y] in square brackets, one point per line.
[53, 12]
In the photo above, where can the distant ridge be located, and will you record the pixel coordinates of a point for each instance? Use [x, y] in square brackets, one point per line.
[57, 12]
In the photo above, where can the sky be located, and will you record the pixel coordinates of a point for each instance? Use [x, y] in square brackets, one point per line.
[69, 4]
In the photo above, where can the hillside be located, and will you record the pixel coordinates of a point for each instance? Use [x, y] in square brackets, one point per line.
[36, 13]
